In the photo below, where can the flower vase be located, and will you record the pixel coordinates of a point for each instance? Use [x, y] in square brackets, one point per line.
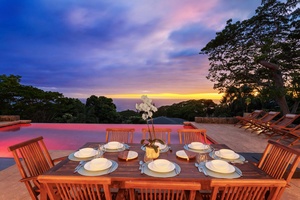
[151, 154]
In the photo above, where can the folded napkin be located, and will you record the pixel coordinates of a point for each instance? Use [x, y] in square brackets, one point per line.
[123, 155]
[190, 155]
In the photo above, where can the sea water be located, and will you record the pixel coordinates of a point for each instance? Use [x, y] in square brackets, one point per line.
[129, 104]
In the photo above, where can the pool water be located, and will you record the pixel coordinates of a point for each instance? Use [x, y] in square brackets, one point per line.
[68, 136]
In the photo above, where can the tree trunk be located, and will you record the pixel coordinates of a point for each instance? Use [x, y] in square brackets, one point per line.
[295, 107]
[278, 81]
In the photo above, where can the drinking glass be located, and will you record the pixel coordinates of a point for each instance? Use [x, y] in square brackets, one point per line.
[201, 157]
[100, 151]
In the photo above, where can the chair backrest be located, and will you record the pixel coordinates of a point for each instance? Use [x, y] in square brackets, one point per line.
[276, 160]
[32, 159]
[295, 133]
[246, 189]
[285, 120]
[268, 117]
[124, 135]
[171, 190]
[186, 136]
[73, 187]
[160, 133]
[255, 114]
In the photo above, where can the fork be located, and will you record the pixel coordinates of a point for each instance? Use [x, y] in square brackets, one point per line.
[78, 166]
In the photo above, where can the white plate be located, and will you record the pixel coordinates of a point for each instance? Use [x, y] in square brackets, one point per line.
[77, 154]
[181, 154]
[132, 155]
[232, 156]
[152, 167]
[228, 170]
[87, 166]
[198, 146]
[113, 145]
[161, 146]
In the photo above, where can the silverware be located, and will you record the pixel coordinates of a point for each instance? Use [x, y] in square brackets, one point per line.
[201, 166]
[176, 170]
[197, 165]
[238, 171]
[143, 168]
[238, 161]
[111, 167]
[81, 163]
[141, 163]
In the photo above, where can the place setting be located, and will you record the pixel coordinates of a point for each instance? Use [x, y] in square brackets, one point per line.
[83, 154]
[162, 147]
[97, 167]
[115, 146]
[227, 155]
[217, 168]
[160, 168]
[197, 147]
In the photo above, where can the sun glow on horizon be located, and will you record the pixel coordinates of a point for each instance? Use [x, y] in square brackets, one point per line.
[213, 96]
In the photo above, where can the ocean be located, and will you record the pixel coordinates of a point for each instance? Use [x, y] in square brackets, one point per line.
[129, 104]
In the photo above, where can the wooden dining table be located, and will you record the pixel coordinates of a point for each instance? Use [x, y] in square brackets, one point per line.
[129, 170]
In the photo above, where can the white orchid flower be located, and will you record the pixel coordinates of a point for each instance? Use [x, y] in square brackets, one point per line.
[137, 106]
[145, 116]
[150, 114]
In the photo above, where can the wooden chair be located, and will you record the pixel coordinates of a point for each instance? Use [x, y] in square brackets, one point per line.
[243, 121]
[264, 121]
[171, 190]
[32, 159]
[295, 135]
[186, 136]
[246, 189]
[73, 187]
[283, 122]
[124, 135]
[160, 133]
[279, 161]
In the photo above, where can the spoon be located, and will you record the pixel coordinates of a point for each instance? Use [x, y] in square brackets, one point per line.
[141, 164]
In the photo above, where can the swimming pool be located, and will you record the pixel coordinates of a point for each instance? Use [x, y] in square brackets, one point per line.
[68, 136]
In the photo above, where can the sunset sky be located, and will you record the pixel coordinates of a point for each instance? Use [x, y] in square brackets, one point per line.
[115, 48]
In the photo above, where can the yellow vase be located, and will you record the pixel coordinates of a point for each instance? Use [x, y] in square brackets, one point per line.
[151, 154]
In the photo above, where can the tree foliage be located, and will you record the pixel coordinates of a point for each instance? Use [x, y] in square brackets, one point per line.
[261, 52]
[187, 110]
[42, 106]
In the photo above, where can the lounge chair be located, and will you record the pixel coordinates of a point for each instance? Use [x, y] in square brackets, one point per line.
[283, 123]
[293, 135]
[243, 121]
[264, 121]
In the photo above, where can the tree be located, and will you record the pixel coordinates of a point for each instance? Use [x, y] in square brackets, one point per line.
[103, 108]
[262, 52]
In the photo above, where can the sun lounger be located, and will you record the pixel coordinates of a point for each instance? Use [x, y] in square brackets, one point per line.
[277, 127]
[264, 121]
[243, 121]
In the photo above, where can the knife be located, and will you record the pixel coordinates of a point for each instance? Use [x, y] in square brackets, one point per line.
[81, 163]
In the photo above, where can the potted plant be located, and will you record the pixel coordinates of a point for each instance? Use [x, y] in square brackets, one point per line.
[147, 109]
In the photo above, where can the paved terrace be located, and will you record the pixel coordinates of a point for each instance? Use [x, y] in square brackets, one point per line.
[236, 138]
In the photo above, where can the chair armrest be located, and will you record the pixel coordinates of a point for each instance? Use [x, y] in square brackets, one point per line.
[32, 178]
[59, 159]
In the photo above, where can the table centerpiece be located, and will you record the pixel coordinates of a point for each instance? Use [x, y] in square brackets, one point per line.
[147, 108]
